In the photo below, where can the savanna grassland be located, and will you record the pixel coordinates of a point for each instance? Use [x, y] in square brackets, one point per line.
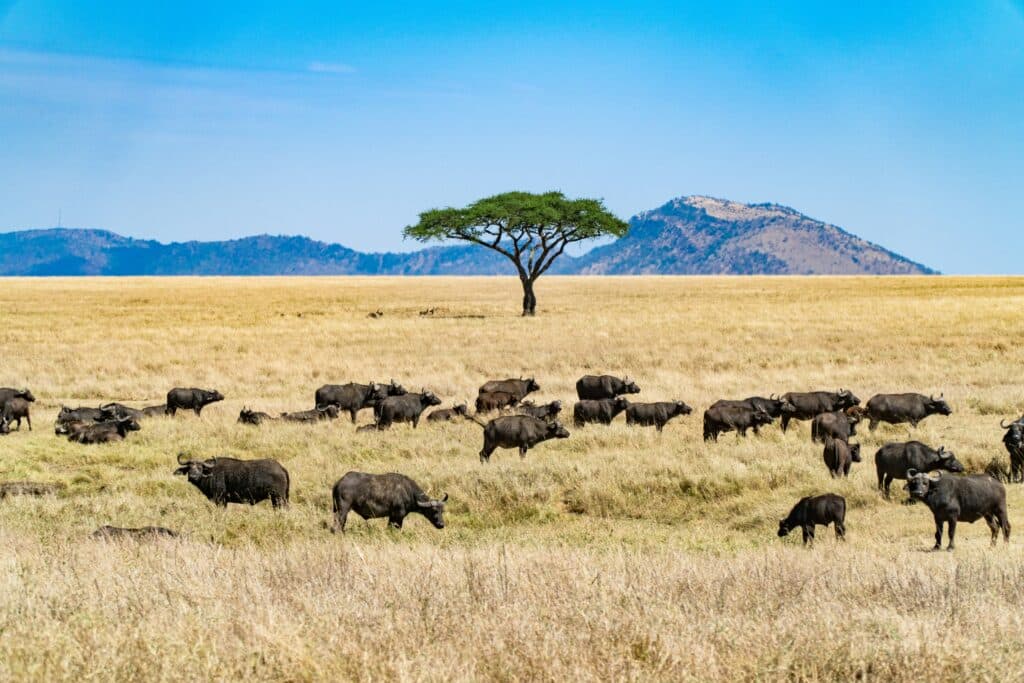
[616, 554]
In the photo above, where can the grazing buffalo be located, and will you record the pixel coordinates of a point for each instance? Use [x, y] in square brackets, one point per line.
[355, 397]
[518, 431]
[655, 415]
[191, 399]
[228, 480]
[728, 416]
[839, 455]
[108, 532]
[155, 411]
[955, 499]
[495, 400]
[105, 432]
[448, 414]
[900, 408]
[808, 405]
[1014, 442]
[253, 417]
[407, 408]
[597, 387]
[894, 460]
[811, 511]
[7, 393]
[16, 410]
[601, 411]
[327, 412]
[547, 411]
[519, 388]
[841, 424]
[394, 496]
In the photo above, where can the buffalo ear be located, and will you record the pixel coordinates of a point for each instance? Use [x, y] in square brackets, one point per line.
[445, 499]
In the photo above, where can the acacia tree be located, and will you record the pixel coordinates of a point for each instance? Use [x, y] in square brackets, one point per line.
[531, 230]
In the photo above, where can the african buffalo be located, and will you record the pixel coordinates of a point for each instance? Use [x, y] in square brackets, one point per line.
[839, 455]
[407, 408]
[69, 427]
[383, 495]
[448, 414]
[155, 411]
[966, 498]
[229, 480]
[655, 415]
[355, 397]
[894, 460]
[1014, 442]
[900, 408]
[774, 406]
[108, 532]
[7, 393]
[83, 414]
[253, 417]
[519, 388]
[807, 405]
[191, 399]
[105, 432]
[825, 509]
[15, 410]
[495, 400]
[326, 412]
[118, 410]
[841, 424]
[597, 387]
[738, 416]
[518, 431]
[546, 411]
[602, 411]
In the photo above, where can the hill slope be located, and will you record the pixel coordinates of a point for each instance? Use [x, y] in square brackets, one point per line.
[689, 235]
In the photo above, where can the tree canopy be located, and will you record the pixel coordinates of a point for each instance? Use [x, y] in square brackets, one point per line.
[531, 230]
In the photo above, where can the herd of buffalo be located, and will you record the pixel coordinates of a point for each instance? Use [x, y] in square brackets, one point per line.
[523, 424]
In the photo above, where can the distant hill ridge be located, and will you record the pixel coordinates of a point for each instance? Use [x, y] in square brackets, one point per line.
[688, 235]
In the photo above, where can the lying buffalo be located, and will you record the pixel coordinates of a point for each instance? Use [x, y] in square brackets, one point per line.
[448, 414]
[318, 414]
[119, 410]
[601, 411]
[191, 399]
[546, 411]
[955, 499]
[141, 533]
[596, 387]
[228, 480]
[407, 408]
[1014, 442]
[253, 417]
[519, 388]
[394, 496]
[518, 431]
[841, 424]
[808, 405]
[729, 416]
[495, 400]
[104, 432]
[894, 460]
[69, 427]
[82, 414]
[900, 408]
[355, 397]
[155, 411]
[16, 410]
[839, 456]
[655, 415]
[813, 511]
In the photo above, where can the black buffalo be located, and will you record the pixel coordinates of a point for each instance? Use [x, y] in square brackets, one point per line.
[448, 414]
[355, 397]
[518, 431]
[955, 499]
[601, 411]
[894, 460]
[104, 432]
[114, 532]
[191, 399]
[82, 414]
[807, 405]
[394, 496]
[728, 416]
[119, 410]
[811, 511]
[228, 480]
[155, 411]
[519, 388]
[7, 393]
[841, 424]
[495, 400]
[655, 415]
[1014, 442]
[16, 410]
[839, 455]
[407, 408]
[546, 411]
[253, 417]
[596, 387]
[326, 412]
[900, 408]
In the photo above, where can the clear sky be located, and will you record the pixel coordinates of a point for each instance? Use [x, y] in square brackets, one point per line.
[900, 121]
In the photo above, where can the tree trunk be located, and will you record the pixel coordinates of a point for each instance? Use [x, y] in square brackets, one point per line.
[529, 298]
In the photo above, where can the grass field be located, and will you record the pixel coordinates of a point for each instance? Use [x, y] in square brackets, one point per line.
[616, 554]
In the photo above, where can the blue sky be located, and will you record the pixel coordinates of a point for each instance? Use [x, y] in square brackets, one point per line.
[902, 122]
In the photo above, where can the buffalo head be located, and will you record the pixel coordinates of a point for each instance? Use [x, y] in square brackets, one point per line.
[430, 398]
[681, 408]
[784, 527]
[938, 405]
[195, 470]
[531, 385]
[433, 510]
[919, 483]
[948, 461]
[27, 395]
[760, 417]
[395, 389]
[630, 387]
[555, 430]
[847, 399]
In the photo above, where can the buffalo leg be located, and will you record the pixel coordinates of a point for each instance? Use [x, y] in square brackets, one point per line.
[873, 424]
[840, 531]
[170, 410]
[340, 517]
[522, 451]
[1004, 522]
[808, 530]
[938, 535]
[395, 522]
[352, 412]
[742, 432]
[198, 410]
[28, 418]
[888, 483]
[993, 526]
[785, 423]
[278, 501]
[659, 426]
[756, 433]
[952, 533]
[485, 454]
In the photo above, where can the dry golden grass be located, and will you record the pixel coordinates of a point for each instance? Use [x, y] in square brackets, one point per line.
[615, 554]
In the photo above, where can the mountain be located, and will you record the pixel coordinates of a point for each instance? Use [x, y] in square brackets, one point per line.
[689, 235]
